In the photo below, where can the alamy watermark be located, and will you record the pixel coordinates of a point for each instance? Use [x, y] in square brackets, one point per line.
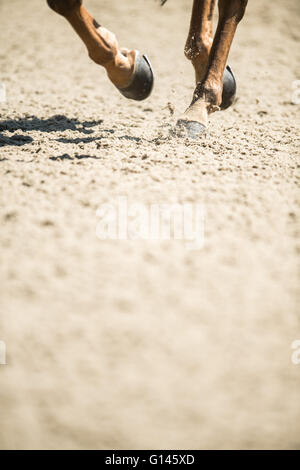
[296, 353]
[2, 93]
[296, 92]
[2, 353]
[121, 220]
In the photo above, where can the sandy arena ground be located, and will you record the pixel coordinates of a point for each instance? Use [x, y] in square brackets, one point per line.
[123, 344]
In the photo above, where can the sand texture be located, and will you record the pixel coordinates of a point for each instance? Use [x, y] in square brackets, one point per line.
[137, 344]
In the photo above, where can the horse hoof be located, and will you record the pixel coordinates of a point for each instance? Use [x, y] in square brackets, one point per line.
[229, 88]
[191, 129]
[142, 80]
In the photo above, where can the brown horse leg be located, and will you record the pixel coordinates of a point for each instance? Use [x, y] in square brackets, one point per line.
[200, 37]
[208, 93]
[101, 44]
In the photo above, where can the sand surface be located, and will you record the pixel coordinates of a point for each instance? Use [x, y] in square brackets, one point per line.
[133, 344]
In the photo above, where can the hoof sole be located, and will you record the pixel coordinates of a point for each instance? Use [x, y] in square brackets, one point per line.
[142, 81]
[229, 88]
[191, 129]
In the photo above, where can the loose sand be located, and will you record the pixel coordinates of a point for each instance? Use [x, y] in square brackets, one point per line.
[116, 344]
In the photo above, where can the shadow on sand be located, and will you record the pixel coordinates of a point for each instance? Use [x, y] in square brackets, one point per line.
[60, 123]
[56, 123]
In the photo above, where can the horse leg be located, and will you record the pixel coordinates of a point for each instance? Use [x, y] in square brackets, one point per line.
[208, 93]
[200, 37]
[122, 66]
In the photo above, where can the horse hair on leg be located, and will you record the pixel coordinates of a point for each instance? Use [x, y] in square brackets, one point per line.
[231, 13]
[200, 36]
[63, 7]
[102, 45]
[208, 93]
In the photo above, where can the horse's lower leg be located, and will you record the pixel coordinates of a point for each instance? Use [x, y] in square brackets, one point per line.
[200, 37]
[101, 44]
[208, 93]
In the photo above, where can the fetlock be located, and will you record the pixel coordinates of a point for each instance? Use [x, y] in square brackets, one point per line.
[211, 93]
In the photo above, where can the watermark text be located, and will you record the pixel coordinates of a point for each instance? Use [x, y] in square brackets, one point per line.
[296, 92]
[296, 354]
[121, 220]
[2, 353]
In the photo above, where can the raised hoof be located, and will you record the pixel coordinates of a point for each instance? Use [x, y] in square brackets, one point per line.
[229, 88]
[191, 129]
[142, 80]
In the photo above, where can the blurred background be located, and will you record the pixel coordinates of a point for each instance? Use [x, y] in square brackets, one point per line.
[139, 345]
